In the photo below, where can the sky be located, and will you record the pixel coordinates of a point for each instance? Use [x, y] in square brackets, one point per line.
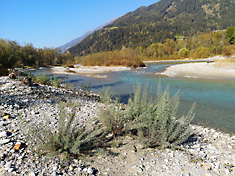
[53, 23]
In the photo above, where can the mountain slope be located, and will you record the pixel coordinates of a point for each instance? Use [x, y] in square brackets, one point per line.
[157, 22]
[72, 43]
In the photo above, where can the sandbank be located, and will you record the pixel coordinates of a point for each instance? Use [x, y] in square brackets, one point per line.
[200, 70]
[89, 70]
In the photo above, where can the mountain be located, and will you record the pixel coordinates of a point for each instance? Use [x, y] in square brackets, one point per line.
[72, 43]
[159, 21]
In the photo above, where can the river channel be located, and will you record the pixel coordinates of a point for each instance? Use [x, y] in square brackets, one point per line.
[215, 99]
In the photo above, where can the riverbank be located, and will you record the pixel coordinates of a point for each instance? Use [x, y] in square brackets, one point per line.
[207, 153]
[200, 70]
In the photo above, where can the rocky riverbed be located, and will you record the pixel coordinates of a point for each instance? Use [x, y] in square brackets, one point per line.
[208, 152]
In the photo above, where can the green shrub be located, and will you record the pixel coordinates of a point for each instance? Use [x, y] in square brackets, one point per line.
[43, 79]
[106, 95]
[69, 137]
[112, 118]
[56, 82]
[155, 119]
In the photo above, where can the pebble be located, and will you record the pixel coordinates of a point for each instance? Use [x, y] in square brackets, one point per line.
[90, 170]
[3, 134]
[4, 141]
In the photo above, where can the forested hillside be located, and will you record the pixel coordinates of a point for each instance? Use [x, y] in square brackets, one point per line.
[155, 23]
[195, 47]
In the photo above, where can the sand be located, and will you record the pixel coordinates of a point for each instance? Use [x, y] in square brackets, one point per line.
[200, 70]
[92, 71]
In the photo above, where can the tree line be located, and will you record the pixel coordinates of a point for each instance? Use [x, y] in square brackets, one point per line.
[198, 46]
[14, 55]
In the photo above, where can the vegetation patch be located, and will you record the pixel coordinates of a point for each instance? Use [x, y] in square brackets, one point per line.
[69, 138]
[125, 57]
[153, 120]
[46, 80]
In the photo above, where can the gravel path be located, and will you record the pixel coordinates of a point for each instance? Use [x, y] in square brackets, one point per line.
[207, 153]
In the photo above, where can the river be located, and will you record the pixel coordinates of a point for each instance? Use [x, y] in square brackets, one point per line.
[215, 99]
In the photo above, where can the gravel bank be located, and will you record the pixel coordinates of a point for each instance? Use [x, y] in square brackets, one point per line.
[88, 69]
[207, 153]
[200, 70]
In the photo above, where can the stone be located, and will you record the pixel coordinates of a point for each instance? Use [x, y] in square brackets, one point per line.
[207, 166]
[8, 165]
[6, 117]
[17, 146]
[11, 169]
[70, 168]
[32, 174]
[91, 170]
[4, 141]
[3, 134]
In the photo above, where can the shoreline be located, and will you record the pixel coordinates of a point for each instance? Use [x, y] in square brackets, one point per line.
[209, 152]
[200, 70]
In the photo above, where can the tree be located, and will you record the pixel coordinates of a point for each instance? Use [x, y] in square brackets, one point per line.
[9, 53]
[230, 35]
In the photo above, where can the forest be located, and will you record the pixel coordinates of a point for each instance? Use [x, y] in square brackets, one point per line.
[198, 46]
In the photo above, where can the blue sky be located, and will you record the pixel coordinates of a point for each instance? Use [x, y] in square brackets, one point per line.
[52, 23]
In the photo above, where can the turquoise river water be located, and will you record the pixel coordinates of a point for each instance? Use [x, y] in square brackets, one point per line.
[215, 99]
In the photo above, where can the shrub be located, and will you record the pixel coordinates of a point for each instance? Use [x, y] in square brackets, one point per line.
[46, 80]
[43, 79]
[227, 51]
[69, 137]
[155, 119]
[202, 52]
[56, 82]
[107, 95]
[112, 118]
[183, 53]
